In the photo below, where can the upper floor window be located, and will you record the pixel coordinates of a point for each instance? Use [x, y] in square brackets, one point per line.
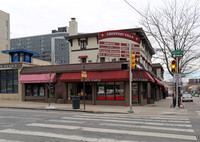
[102, 59]
[83, 44]
[83, 60]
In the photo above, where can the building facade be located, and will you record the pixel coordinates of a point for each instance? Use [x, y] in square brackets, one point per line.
[52, 47]
[4, 35]
[10, 89]
[107, 81]
[87, 48]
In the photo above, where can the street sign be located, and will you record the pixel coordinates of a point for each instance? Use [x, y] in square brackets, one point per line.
[177, 78]
[177, 52]
[180, 84]
[177, 55]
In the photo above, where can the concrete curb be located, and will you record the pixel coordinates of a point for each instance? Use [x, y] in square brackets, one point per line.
[72, 110]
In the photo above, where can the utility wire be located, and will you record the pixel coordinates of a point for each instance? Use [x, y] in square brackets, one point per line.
[134, 8]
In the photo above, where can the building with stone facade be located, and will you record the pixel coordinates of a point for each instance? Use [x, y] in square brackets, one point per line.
[4, 35]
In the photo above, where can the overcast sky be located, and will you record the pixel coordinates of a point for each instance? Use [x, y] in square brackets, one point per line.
[35, 17]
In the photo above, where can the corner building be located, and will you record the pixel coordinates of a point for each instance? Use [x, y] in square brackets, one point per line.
[107, 81]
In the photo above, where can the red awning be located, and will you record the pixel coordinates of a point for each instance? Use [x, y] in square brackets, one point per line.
[37, 78]
[82, 56]
[121, 75]
[141, 75]
[158, 82]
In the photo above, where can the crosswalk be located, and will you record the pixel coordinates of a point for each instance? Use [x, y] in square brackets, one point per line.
[105, 128]
[198, 112]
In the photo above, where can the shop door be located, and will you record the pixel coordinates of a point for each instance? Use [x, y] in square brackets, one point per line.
[135, 97]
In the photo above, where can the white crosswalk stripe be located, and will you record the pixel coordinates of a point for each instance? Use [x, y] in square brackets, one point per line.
[159, 126]
[139, 133]
[130, 122]
[60, 136]
[198, 112]
[5, 140]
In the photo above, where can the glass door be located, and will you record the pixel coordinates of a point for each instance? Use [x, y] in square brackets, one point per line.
[135, 97]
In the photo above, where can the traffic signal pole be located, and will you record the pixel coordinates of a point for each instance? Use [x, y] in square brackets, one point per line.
[177, 107]
[130, 80]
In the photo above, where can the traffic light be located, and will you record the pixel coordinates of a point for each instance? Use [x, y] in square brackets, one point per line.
[133, 61]
[173, 66]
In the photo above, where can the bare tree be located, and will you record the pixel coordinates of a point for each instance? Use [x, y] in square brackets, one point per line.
[174, 27]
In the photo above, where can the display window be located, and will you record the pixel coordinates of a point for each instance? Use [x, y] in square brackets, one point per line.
[77, 89]
[101, 95]
[9, 81]
[35, 89]
[110, 91]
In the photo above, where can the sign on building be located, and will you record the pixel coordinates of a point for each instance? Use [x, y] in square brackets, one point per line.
[118, 49]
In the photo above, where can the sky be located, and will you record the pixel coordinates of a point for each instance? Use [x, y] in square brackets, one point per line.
[36, 17]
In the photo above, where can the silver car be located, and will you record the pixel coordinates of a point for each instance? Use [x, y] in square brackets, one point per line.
[187, 97]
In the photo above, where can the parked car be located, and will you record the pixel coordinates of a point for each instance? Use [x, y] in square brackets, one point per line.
[187, 97]
[196, 95]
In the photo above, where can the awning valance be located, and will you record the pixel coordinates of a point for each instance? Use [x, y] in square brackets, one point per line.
[121, 75]
[141, 75]
[38, 78]
[158, 82]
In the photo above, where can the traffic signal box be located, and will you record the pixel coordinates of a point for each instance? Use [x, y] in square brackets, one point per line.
[133, 61]
[173, 66]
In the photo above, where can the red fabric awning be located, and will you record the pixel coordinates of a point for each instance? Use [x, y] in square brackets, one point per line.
[38, 78]
[141, 75]
[158, 82]
[82, 56]
[121, 75]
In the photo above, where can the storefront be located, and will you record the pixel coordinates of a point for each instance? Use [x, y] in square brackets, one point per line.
[38, 87]
[106, 84]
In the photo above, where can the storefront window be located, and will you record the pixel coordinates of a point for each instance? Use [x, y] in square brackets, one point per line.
[71, 90]
[101, 95]
[110, 91]
[9, 81]
[34, 89]
[135, 98]
[119, 90]
[88, 90]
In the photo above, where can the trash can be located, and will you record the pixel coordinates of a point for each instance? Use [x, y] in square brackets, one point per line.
[75, 102]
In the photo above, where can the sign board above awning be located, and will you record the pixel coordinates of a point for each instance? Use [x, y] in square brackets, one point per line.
[119, 34]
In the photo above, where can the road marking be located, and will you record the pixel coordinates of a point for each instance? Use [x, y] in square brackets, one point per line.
[141, 116]
[135, 119]
[198, 112]
[130, 122]
[66, 121]
[149, 127]
[60, 136]
[126, 132]
[5, 140]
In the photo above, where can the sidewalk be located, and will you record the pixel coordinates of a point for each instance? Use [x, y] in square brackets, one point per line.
[160, 107]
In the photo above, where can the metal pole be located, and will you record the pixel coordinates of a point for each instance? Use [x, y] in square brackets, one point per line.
[130, 79]
[177, 107]
[84, 86]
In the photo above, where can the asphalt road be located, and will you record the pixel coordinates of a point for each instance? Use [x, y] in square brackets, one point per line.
[23, 125]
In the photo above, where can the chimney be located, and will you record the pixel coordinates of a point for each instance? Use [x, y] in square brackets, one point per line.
[73, 27]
